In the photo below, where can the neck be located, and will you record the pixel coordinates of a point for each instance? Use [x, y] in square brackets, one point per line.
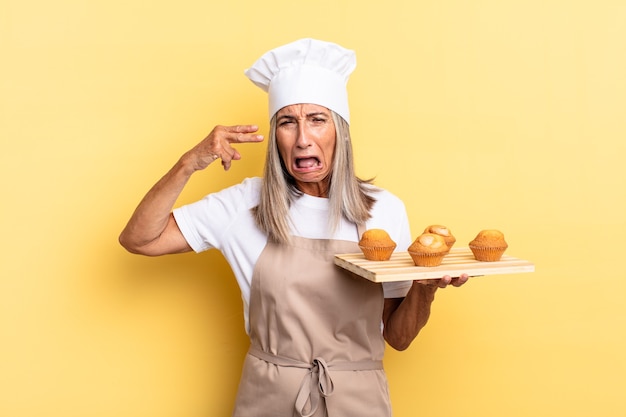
[315, 189]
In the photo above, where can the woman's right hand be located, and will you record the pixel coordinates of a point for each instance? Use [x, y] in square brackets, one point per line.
[217, 145]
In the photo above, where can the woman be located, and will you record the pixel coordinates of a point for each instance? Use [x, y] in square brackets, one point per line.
[317, 333]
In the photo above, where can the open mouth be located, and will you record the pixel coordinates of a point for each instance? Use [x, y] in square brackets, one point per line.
[308, 163]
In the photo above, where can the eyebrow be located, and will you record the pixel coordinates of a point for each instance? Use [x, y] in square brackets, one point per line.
[318, 113]
[308, 115]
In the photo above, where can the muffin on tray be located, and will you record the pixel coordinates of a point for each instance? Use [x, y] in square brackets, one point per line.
[377, 245]
[442, 231]
[428, 249]
[488, 245]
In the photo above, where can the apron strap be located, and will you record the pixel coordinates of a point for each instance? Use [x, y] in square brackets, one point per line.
[317, 383]
[360, 229]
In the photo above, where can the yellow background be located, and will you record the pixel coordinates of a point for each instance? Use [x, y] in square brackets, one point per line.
[478, 114]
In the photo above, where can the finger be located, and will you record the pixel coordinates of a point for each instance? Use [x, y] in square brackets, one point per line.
[457, 282]
[226, 162]
[243, 133]
[228, 155]
[445, 281]
[244, 128]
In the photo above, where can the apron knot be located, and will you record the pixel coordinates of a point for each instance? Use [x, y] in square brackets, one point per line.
[324, 381]
[318, 384]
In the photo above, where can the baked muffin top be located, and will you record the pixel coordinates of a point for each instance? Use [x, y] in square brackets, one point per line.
[442, 230]
[429, 243]
[438, 229]
[490, 238]
[376, 237]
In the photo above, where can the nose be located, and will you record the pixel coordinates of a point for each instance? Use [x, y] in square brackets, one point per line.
[302, 139]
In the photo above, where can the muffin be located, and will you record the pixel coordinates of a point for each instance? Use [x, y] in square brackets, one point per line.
[377, 245]
[442, 231]
[428, 249]
[488, 245]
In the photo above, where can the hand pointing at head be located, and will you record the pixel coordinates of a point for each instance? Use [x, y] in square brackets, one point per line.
[218, 145]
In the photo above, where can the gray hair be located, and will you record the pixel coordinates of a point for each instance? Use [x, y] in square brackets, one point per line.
[350, 197]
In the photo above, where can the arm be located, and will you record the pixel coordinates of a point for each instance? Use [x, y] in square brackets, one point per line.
[152, 229]
[403, 318]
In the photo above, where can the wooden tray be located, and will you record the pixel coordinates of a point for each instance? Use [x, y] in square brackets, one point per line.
[401, 267]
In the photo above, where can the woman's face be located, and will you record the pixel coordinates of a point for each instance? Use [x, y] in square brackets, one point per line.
[305, 135]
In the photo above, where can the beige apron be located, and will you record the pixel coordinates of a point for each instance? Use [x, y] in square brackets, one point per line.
[316, 342]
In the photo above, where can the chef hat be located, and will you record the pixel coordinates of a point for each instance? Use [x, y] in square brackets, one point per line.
[305, 71]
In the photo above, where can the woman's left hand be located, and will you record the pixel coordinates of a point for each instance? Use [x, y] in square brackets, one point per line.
[446, 280]
[403, 318]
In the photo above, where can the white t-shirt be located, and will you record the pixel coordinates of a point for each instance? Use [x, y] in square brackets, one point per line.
[223, 221]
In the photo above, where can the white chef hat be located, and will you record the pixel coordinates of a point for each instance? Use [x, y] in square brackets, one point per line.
[305, 71]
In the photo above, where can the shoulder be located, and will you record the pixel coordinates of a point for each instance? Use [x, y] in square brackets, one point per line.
[385, 200]
[389, 213]
[227, 202]
[246, 192]
[251, 185]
